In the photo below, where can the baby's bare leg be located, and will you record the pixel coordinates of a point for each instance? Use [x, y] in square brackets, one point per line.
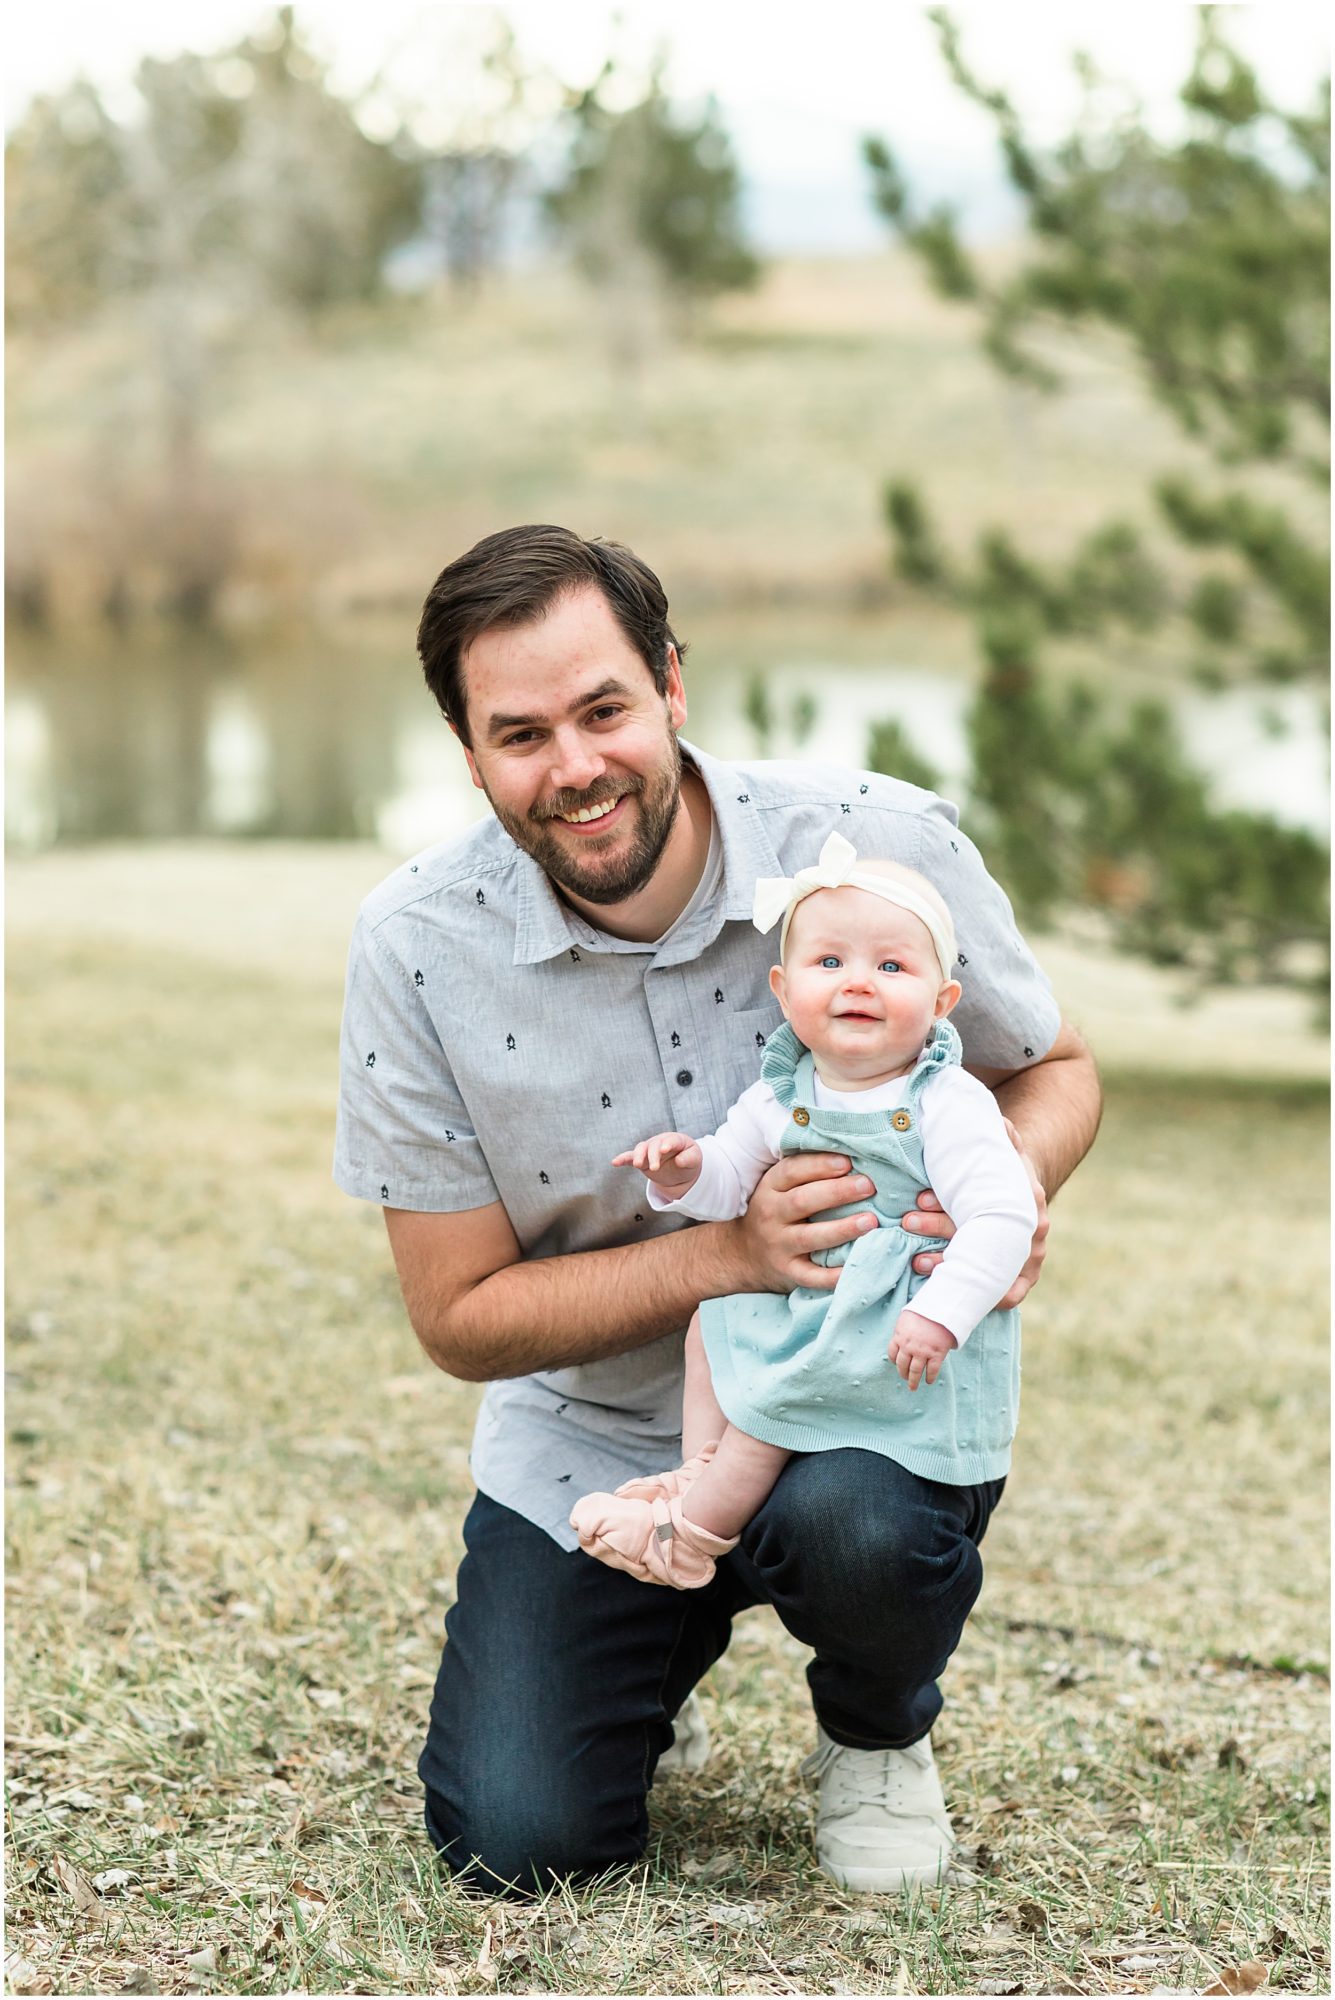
[732, 1486]
[702, 1421]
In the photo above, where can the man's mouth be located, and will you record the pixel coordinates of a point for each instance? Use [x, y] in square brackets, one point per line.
[587, 814]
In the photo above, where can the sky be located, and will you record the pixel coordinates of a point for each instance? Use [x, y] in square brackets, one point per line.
[796, 100]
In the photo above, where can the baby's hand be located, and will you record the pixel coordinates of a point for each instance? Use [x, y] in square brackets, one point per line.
[919, 1347]
[670, 1160]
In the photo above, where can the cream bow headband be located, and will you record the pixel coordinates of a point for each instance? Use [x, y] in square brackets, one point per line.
[779, 895]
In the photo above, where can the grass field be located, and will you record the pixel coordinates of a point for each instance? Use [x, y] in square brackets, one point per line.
[235, 1490]
[747, 463]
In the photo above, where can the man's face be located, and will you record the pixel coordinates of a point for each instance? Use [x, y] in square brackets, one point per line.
[566, 721]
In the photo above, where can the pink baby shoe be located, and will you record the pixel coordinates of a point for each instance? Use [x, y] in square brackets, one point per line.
[668, 1485]
[649, 1538]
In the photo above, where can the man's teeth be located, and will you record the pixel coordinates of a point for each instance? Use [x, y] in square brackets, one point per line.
[586, 813]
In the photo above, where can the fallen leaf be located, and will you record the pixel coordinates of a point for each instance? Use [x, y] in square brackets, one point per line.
[188, 1735]
[1232, 1759]
[484, 1956]
[22, 1976]
[1032, 1916]
[74, 1882]
[112, 1880]
[203, 1960]
[81, 1801]
[140, 1980]
[744, 1915]
[325, 1697]
[1244, 1978]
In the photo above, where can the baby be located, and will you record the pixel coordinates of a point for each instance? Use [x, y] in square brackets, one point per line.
[865, 1064]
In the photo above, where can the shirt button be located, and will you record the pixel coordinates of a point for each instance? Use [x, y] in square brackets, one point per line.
[801, 1116]
[684, 1077]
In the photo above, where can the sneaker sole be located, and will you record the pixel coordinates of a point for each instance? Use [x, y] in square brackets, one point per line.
[886, 1881]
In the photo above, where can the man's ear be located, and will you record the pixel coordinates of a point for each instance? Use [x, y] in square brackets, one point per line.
[675, 692]
[778, 986]
[948, 999]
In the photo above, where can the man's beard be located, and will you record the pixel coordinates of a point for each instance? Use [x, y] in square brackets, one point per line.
[657, 798]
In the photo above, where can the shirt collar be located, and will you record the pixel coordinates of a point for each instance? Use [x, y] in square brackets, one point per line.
[545, 926]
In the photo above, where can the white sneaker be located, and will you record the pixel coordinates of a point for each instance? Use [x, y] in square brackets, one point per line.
[689, 1749]
[882, 1821]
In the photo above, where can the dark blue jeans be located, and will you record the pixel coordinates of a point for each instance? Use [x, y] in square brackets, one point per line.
[560, 1677]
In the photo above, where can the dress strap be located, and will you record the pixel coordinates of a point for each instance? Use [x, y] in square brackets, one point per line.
[942, 1048]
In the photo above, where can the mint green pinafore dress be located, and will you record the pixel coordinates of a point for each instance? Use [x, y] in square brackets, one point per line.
[810, 1371]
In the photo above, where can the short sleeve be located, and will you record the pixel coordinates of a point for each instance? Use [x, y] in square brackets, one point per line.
[404, 1137]
[1007, 1017]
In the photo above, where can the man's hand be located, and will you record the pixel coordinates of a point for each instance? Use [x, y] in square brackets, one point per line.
[919, 1347]
[930, 1219]
[782, 1227]
[669, 1160]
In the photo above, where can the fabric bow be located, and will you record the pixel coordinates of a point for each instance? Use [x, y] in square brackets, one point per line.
[774, 893]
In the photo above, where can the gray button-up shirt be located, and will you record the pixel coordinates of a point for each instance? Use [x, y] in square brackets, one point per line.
[496, 1047]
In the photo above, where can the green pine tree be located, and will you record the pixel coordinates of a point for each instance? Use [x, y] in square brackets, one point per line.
[1207, 259]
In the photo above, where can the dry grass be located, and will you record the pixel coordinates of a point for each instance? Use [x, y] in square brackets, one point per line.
[234, 1497]
[747, 463]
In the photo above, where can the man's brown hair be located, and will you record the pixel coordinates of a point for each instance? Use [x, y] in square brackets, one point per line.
[515, 577]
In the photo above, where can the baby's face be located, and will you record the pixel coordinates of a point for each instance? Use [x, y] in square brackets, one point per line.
[860, 984]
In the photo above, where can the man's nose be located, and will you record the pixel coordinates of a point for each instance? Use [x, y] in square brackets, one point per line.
[576, 763]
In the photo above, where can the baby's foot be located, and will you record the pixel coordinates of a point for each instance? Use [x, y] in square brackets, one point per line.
[668, 1485]
[649, 1538]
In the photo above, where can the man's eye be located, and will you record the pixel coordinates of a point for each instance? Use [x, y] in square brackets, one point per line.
[606, 713]
[891, 965]
[830, 963]
[519, 739]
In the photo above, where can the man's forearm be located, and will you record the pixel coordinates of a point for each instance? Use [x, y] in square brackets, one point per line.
[553, 1312]
[1055, 1107]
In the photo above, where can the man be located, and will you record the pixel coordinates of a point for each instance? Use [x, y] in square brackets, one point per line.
[522, 1004]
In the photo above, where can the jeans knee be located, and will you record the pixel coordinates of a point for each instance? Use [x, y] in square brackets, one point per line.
[859, 1530]
[528, 1848]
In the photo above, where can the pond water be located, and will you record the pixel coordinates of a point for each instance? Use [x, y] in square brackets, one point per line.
[309, 736]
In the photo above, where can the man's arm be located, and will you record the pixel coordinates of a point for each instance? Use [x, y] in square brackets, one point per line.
[1053, 1112]
[1055, 1107]
[482, 1311]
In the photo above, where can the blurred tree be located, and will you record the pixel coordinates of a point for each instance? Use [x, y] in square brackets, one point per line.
[889, 750]
[242, 167]
[239, 186]
[649, 206]
[1207, 260]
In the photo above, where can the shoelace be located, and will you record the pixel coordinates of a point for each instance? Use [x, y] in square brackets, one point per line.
[859, 1777]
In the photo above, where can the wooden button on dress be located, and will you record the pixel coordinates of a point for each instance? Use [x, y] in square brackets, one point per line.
[902, 1121]
[801, 1116]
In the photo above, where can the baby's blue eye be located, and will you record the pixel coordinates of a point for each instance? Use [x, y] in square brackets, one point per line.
[830, 963]
[891, 965]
